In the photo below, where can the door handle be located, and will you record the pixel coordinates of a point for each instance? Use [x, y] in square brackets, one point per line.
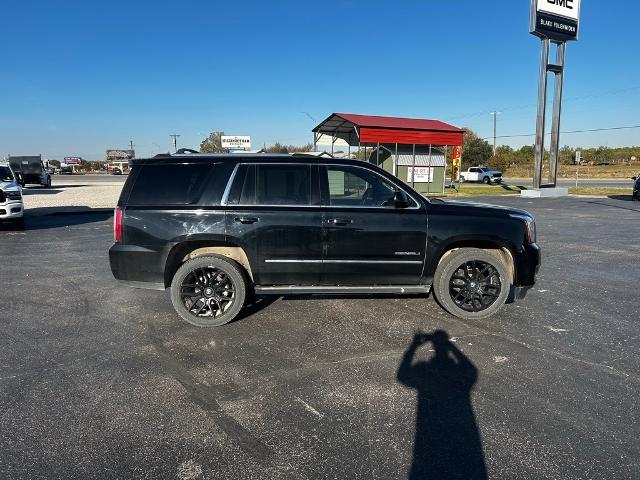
[246, 220]
[340, 221]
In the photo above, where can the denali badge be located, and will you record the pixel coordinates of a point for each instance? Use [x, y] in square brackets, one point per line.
[406, 253]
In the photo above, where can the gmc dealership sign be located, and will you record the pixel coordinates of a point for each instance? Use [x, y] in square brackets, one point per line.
[557, 20]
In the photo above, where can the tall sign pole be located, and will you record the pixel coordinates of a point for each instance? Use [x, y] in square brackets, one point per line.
[556, 22]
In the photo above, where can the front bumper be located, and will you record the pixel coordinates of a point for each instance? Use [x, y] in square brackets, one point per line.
[527, 264]
[11, 210]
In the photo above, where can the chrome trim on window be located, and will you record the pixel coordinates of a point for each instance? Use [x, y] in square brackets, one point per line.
[227, 189]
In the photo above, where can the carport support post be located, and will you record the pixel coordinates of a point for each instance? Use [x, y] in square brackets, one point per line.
[315, 141]
[395, 163]
[429, 170]
[444, 176]
[542, 110]
[413, 167]
[378, 154]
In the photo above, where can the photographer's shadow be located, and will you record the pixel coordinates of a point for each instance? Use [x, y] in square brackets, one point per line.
[447, 442]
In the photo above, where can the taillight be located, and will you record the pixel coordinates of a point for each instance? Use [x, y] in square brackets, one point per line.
[118, 216]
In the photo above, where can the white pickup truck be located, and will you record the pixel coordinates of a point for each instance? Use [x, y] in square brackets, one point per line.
[481, 174]
[11, 206]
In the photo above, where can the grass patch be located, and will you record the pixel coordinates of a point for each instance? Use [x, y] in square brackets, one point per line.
[569, 171]
[600, 191]
[470, 190]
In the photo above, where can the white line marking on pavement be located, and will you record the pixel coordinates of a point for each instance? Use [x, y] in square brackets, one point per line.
[556, 330]
[309, 407]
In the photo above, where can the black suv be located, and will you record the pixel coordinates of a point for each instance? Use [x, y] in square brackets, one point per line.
[217, 228]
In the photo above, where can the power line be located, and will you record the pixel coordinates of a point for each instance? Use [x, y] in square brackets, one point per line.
[603, 93]
[626, 127]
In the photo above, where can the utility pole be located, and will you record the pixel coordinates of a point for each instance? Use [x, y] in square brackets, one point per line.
[174, 137]
[495, 128]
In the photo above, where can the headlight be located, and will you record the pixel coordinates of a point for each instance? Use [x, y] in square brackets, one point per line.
[529, 226]
[13, 195]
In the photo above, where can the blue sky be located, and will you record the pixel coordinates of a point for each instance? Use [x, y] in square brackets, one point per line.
[80, 77]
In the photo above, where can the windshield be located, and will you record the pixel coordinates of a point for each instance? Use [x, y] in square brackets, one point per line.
[5, 174]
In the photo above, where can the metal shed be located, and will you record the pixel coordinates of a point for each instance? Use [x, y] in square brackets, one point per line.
[413, 149]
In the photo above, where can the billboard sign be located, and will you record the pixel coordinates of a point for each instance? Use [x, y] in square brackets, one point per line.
[236, 142]
[420, 174]
[120, 155]
[72, 160]
[557, 20]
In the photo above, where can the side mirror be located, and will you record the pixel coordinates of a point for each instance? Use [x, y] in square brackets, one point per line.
[400, 199]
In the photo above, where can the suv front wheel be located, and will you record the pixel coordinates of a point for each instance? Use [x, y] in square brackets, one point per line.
[471, 283]
[208, 291]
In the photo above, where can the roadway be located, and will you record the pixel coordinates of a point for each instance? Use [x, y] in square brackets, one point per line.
[61, 180]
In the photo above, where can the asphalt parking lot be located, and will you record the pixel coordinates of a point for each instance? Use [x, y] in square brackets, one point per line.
[101, 381]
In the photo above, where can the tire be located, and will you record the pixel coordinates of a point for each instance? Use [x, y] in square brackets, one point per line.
[48, 183]
[219, 300]
[487, 297]
[19, 223]
[486, 180]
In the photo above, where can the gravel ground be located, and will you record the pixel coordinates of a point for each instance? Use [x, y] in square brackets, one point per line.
[90, 194]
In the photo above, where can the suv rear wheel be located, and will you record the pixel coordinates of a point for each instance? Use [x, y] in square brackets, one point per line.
[208, 291]
[471, 283]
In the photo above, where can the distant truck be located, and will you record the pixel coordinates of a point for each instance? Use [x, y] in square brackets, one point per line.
[30, 170]
[481, 174]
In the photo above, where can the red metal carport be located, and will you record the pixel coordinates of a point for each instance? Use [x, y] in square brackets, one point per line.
[387, 132]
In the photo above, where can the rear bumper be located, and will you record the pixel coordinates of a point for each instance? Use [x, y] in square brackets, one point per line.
[527, 263]
[137, 266]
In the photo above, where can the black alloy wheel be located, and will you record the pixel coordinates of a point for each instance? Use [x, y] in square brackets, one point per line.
[209, 291]
[475, 286]
[472, 283]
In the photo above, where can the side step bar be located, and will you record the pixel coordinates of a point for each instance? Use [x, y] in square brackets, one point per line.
[337, 290]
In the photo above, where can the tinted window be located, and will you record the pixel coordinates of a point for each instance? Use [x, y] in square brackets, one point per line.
[351, 186]
[243, 188]
[283, 185]
[170, 184]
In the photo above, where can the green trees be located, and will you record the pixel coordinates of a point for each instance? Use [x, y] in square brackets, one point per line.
[213, 143]
[475, 150]
[279, 147]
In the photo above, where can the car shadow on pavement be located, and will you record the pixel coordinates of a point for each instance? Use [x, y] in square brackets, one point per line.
[44, 218]
[626, 198]
[447, 439]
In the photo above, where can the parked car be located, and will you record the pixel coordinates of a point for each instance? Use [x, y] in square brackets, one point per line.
[217, 228]
[11, 205]
[636, 188]
[481, 174]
